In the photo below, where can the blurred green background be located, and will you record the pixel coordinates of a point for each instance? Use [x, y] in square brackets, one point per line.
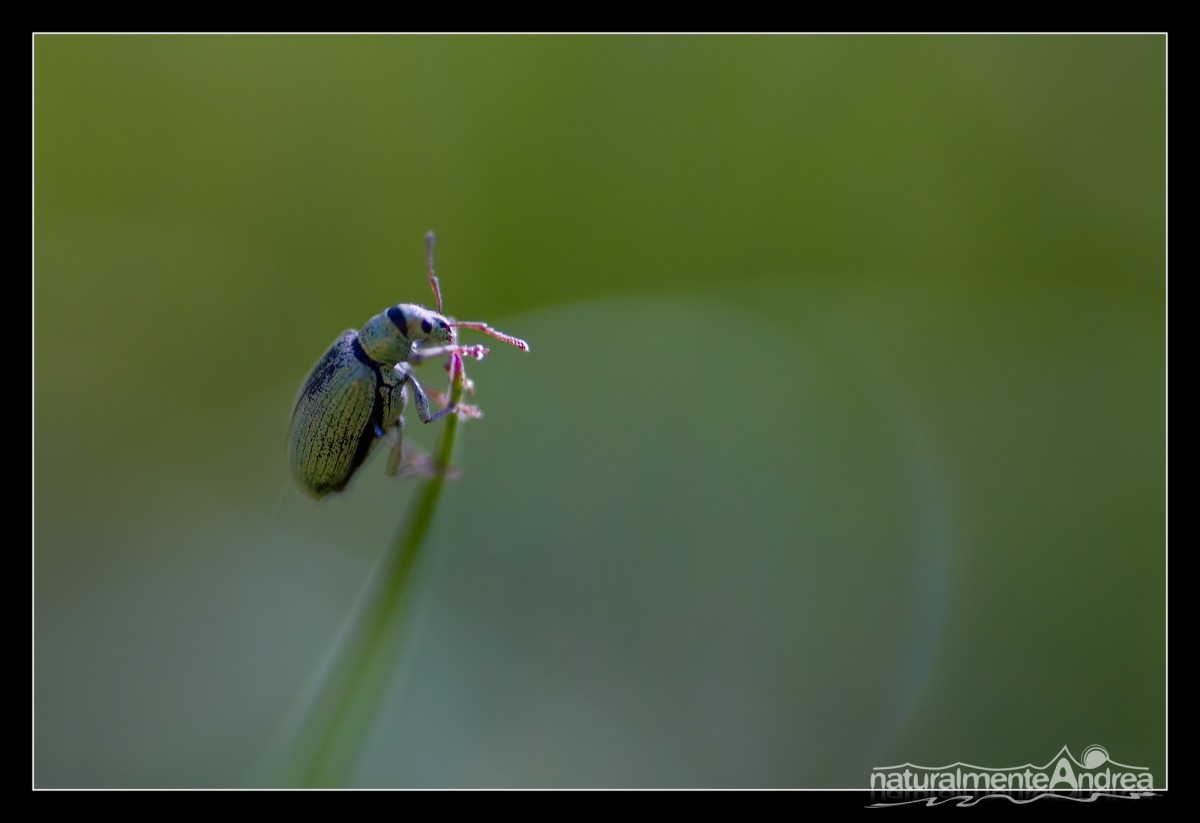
[840, 443]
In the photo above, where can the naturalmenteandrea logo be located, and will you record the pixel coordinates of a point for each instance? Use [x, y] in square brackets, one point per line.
[1095, 771]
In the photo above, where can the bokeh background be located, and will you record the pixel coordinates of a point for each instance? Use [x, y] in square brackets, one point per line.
[841, 442]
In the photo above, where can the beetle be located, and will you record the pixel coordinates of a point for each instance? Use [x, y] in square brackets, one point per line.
[356, 393]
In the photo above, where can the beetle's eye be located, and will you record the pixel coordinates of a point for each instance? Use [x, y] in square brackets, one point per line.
[426, 326]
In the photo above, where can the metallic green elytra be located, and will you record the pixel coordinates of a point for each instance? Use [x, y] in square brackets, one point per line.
[356, 393]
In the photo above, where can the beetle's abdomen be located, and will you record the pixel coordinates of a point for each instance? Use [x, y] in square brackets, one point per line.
[334, 421]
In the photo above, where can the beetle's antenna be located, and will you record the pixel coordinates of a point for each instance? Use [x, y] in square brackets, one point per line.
[433, 281]
[488, 330]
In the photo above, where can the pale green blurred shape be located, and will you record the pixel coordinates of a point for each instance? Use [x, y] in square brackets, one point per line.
[841, 442]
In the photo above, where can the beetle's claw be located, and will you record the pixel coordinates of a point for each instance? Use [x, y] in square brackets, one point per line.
[468, 412]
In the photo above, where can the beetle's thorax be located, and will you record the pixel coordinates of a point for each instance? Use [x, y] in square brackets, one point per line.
[388, 337]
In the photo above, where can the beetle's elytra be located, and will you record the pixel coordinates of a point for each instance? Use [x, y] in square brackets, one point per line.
[355, 394]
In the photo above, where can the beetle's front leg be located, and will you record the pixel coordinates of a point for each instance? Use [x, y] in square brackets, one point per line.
[419, 355]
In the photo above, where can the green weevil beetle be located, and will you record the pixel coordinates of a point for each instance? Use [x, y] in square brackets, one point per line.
[356, 393]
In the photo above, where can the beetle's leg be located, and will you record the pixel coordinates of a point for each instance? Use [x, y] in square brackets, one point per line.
[418, 355]
[397, 451]
[423, 403]
[395, 410]
[464, 409]
[404, 371]
[397, 464]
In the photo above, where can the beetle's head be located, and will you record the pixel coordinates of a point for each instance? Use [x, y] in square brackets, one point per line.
[428, 327]
[389, 337]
